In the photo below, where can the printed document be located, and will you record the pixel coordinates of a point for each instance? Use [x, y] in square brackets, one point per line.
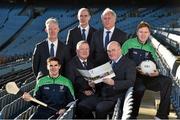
[99, 73]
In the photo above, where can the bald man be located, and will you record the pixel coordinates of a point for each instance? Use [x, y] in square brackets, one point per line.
[112, 88]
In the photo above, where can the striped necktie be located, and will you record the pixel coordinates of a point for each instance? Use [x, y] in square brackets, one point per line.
[84, 64]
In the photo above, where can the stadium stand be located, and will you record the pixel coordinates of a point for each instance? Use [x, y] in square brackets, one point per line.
[18, 77]
[26, 114]
[12, 110]
[22, 26]
[170, 66]
[8, 98]
[14, 67]
[170, 40]
[8, 27]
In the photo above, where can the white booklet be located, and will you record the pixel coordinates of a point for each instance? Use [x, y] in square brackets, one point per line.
[99, 73]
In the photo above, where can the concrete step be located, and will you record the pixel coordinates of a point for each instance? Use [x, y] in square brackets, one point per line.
[149, 105]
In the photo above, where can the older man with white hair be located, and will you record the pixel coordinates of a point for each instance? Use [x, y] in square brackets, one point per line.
[102, 37]
[81, 86]
[111, 88]
[50, 47]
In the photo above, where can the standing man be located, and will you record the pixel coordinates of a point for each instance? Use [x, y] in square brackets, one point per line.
[49, 47]
[111, 88]
[81, 32]
[102, 37]
[139, 49]
[54, 90]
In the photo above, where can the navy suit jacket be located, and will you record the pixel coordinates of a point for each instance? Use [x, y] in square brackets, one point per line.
[80, 84]
[98, 53]
[41, 54]
[125, 71]
[74, 36]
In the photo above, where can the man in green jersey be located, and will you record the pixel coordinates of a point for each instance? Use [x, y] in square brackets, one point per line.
[54, 90]
[140, 49]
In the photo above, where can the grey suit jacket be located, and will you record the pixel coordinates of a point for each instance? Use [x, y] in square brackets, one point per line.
[125, 71]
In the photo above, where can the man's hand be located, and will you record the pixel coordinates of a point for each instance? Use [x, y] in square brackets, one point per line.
[154, 74]
[140, 71]
[108, 81]
[88, 92]
[61, 112]
[26, 96]
[91, 83]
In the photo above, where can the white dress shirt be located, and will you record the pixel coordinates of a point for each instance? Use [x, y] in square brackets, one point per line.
[55, 46]
[110, 34]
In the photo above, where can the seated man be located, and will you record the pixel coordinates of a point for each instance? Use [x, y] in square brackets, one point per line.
[54, 90]
[111, 89]
[80, 61]
[140, 49]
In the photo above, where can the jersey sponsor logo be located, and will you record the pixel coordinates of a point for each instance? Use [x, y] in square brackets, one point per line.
[146, 55]
[134, 52]
[61, 88]
[46, 88]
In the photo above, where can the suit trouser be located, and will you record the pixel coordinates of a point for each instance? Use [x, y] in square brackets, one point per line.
[160, 83]
[43, 114]
[100, 106]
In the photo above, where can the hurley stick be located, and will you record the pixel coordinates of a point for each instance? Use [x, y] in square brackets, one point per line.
[12, 88]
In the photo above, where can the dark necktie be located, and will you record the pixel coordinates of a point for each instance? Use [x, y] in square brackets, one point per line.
[52, 50]
[113, 64]
[84, 64]
[107, 39]
[83, 34]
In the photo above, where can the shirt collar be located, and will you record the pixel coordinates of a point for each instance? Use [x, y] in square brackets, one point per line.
[112, 30]
[86, 28]
[118, 59]
[83, 60]
[55, 42]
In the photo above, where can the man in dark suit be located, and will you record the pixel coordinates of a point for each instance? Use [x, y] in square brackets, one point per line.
[81, 32]
[102, 37]
[49, 47]
[112, 88]
[81, 86]
[80, 61]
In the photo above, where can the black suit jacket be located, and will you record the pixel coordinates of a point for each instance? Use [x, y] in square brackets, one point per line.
[74, 36]
[125, 71]
[98, 53]
[41, 54]
[80, 84]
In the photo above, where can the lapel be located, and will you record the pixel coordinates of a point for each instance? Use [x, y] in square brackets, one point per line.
[59, 49]
[79, 33]
[113, 37]
[101, 38]
[46, 48]
[78, 63]
[89, 34]
[120, 63]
